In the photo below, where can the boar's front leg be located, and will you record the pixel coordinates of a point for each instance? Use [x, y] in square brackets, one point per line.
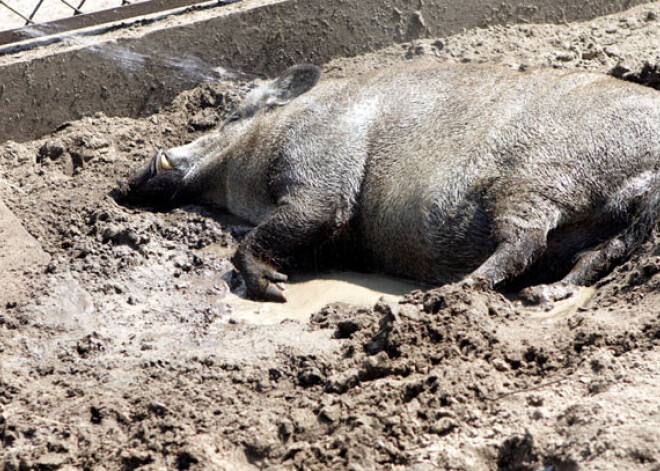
[295, 224]
[511, 257]
[521, 228]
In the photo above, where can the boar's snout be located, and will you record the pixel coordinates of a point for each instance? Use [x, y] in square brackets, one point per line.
[157, 184]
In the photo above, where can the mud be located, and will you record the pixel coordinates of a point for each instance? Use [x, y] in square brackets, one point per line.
[309, 293]
[122, 347]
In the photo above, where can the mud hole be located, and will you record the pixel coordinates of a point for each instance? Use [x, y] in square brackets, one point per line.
[122, 349]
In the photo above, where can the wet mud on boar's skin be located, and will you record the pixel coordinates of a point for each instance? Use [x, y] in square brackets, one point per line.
[440, 172]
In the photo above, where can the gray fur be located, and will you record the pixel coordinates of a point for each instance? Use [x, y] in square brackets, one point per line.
[439, 171]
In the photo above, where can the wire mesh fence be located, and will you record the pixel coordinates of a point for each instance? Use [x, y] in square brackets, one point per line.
[19, 13]
[25, 24]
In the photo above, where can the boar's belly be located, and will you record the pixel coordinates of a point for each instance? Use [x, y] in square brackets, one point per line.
[409, 231]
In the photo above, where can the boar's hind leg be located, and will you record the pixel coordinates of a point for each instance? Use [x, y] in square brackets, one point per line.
[640, 200]
[511, 257]
[590, 266]
[593, 264]
[293, 225]
[640, 203]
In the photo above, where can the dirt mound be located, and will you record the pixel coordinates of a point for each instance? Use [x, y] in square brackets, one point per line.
[122, 352]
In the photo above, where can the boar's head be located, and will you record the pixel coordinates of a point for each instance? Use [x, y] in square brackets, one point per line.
[183, 174]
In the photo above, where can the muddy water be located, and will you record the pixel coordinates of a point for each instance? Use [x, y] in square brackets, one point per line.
[305, 293]
[311, 292]
[308, 294]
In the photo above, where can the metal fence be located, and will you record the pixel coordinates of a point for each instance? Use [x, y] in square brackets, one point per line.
[19, 13]
[27, 23]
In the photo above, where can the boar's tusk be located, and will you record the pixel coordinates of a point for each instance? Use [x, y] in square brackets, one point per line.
[163, 163]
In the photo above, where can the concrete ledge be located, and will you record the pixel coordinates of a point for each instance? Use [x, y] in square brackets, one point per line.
[125, 73]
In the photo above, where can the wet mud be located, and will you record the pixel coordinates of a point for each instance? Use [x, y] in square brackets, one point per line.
[123, 347]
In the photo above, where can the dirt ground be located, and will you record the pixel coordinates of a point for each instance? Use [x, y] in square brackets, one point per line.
[121, 347]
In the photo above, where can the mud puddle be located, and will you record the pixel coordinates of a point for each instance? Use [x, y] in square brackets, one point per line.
[310, 293]
[306, 293]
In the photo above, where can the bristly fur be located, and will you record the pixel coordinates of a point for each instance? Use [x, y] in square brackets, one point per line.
[440, 172]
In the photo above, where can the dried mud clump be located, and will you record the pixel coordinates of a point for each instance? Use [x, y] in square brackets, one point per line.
[649, 75]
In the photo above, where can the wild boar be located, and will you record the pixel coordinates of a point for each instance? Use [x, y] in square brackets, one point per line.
[439, 172]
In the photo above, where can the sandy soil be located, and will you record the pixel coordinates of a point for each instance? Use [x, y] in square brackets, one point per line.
[121, 347]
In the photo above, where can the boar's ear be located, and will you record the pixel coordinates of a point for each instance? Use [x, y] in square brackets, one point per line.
[293, 82]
